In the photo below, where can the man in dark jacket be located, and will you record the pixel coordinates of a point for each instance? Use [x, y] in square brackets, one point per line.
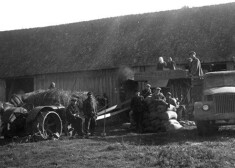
[147, 91]
[161, 64]
[158, 95]
[89, 109]
[138, 107]
[106, 100]
[196, 68]
[171, 64]
[72, 115]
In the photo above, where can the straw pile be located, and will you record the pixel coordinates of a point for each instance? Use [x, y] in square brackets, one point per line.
[53, 97]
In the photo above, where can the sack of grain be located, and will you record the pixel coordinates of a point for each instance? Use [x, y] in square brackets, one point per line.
[156, 122]
[152, 107]
[146, 123]
[148, 100]
[146, 115]
[16, 100]
[172, 125]
[168, 115]
[161, 109]
[171, 108]
[153, 115]
[157, 106]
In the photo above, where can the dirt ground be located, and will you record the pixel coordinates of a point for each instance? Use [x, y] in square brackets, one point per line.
[123, 148]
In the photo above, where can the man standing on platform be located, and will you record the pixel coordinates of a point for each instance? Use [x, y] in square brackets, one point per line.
[161, 64]
[171, 64]
[196, 68]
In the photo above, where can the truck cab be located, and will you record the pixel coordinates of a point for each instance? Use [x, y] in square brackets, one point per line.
[218, 102]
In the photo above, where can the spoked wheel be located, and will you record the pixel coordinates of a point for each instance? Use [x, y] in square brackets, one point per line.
[48, 125]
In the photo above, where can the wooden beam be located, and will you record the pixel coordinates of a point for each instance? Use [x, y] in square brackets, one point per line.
[112, 114]
[113, 107]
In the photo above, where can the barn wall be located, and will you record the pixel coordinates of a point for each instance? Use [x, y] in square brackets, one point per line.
[2, 90]
[99, 82]
[230, 65]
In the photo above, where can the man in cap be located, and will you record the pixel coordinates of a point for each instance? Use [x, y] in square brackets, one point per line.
[72, 115]
[89, 108]
[170, 100]
[52, 85]
[196, 68]
[158, 95]
[147, 91]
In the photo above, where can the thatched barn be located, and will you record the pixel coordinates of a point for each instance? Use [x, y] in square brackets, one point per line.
[96, 55]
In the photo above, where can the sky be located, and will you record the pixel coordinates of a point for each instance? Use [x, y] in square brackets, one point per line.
[20, 14]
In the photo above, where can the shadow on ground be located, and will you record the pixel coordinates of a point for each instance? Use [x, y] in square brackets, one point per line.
[119, 134]
[186, 135]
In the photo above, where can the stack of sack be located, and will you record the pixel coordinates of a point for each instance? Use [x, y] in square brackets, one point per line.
[160, 116]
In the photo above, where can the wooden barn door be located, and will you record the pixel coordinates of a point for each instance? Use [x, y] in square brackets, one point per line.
[2, 90]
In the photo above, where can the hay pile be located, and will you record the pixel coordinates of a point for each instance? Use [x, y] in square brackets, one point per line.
[53, 97]
[159, 116]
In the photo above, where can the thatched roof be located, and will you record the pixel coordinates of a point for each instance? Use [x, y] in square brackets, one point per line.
[109, 43]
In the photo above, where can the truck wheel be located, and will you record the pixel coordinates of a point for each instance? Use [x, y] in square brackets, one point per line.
[204, 128]
[47, 125]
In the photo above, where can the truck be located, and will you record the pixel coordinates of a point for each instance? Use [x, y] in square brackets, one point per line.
[217, 105]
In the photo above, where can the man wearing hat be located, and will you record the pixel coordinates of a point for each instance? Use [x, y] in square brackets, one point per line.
[196, 68]
[89, 108]
[158, 95]
[171, 64]
[72, 115]
[147, 91]
[170, 100]
[52, 85]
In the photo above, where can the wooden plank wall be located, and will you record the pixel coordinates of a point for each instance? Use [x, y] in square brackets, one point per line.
[99, 82]
[2, 90]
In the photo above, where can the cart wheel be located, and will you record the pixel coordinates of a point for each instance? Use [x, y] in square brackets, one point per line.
[48, 125]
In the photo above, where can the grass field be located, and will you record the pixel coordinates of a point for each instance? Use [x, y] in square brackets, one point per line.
[125, 149]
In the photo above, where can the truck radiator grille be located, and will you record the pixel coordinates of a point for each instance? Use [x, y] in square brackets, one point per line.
[225, 103]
